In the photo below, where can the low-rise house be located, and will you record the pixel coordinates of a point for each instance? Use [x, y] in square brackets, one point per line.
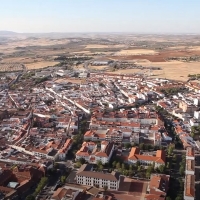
[64, 150]
[158, 187]
[95, 135]
[63, 193]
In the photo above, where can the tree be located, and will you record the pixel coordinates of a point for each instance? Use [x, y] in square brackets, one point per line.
[118, 165]
[99, 163]
[168, 198]
[170, 149]
[179, 198]
[141, 146]
[114, 164]
[137, 164]
[127, 145]
[82, 161]
[139, 168]
[153, 165]
[174, 157]
[105, 188]
[30, 197]
[181, 170]
[63, 179]
[100, 167]
[167, 165]
[149, 171]
[161, 168]
[123, 166]
[148, 174]
[55, 166]
[41, 185]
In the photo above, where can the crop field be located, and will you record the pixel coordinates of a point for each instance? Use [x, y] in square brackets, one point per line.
[23, 60]
[11, 67]
[171, 70]
[160, 57]
[71, 80]
[95, 46]
[98, 67]
[42, 64]
[36, 42]
[136, 52]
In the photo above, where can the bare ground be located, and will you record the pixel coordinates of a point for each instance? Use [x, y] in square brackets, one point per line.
[43, 64]
[171, 70]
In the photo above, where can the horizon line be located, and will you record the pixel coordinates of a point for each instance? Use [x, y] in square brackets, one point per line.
[102, 32]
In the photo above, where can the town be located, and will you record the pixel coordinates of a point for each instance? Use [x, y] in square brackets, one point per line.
[81, 134]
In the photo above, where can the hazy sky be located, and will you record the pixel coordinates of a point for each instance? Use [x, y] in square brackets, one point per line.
[146, 16]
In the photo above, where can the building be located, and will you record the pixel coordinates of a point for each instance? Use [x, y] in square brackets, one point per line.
[135, 156]
[92, 154]
[64, 150]
[189, 188]
[86, 176]
[158, 187]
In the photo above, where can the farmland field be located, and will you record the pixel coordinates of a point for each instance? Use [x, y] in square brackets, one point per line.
[38, 65]
[136, 52]
[171, 70]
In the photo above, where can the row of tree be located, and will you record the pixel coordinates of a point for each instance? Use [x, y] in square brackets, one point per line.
[39, 188]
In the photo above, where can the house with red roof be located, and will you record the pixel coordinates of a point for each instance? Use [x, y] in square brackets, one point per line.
[135, 156]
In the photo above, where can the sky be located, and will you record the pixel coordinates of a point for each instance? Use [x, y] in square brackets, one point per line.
[136, 16]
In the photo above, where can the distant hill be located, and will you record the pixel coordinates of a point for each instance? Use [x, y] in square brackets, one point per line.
[7, 32]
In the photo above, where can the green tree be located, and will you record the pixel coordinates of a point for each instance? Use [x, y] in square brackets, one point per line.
[63, 179]
[170, 149]
[30, 197]
[41, 185]
[141, 146]
[82, 161]
[148, 174]
[179, 198]
[137, 164]
[149, 171]
[114, 164]
[123, 166]
[181, 170]
[100, 167]
[127, 145]
[167, 165]
[139, 168]
[118, 165]
[174, 157]
[105, 188]
[161, 168]
[168, 198]
[99, 163]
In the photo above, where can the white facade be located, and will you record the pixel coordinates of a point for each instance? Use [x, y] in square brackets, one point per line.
[99, 182]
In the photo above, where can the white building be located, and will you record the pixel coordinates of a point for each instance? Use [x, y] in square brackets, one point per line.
[92, 154]
[86, 176]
